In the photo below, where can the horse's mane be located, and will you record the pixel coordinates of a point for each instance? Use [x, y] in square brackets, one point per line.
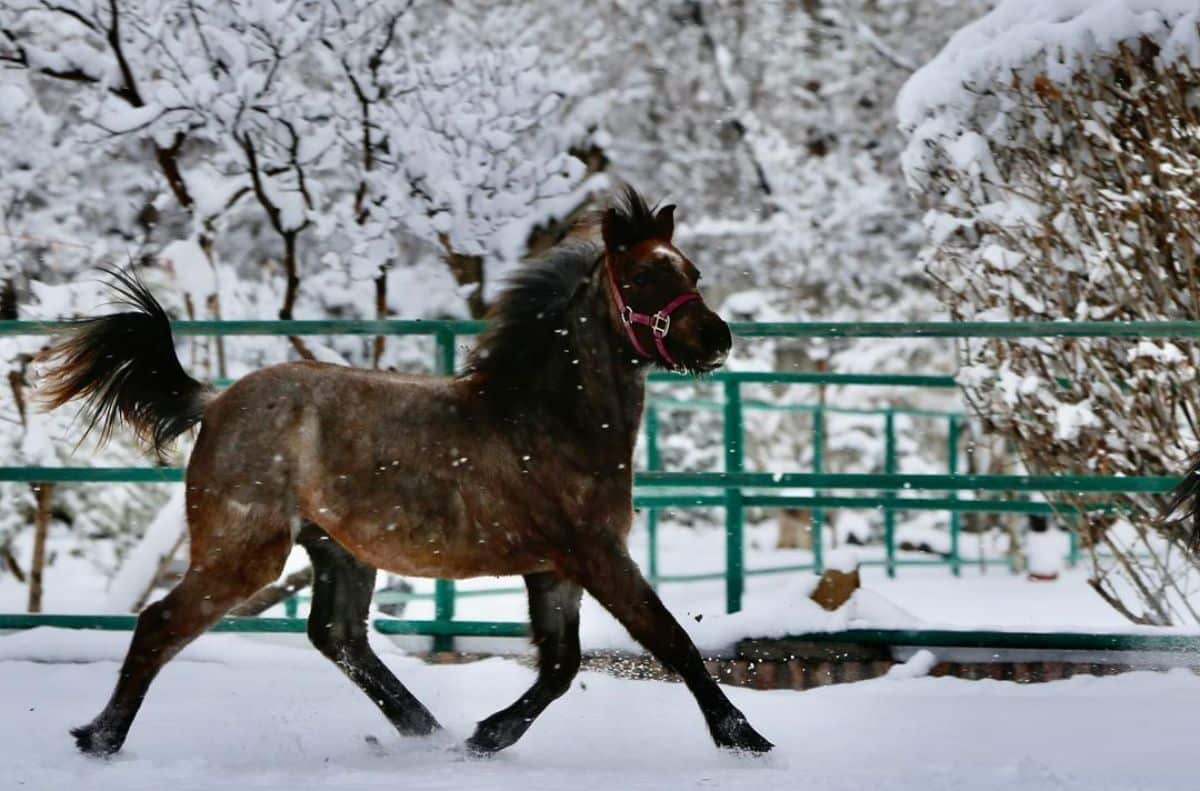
[634, 216]
[526, 316]
[524, 320]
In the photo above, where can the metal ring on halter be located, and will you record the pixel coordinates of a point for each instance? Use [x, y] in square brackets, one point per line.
[627, 315]
[660, 324]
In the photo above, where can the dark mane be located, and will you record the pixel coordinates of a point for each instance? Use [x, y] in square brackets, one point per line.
[523, 322]
[637, 218]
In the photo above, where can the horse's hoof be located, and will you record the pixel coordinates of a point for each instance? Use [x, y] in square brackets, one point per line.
[481, 745]
[494, 734]
[754, 743]
[734, 733]
[477, 752]
[95, 741]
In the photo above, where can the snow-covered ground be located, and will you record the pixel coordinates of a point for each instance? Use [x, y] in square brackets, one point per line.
[239, 712]
[267, 711]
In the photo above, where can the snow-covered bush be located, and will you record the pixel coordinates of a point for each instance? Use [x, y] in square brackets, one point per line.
[1058, 146]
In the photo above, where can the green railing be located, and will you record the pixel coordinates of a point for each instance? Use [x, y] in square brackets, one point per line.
[1171, 643]
[735, 489]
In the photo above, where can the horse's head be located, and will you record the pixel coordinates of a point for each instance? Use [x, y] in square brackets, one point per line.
[653, 289]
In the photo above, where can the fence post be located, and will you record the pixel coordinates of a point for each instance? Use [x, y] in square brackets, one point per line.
[1073, 538]
[955, 516]
[889, 513]
[735, 564]
[443, 590]
[653, 462]
[818, 466]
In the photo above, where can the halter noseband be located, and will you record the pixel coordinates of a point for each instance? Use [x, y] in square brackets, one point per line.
[658, 322]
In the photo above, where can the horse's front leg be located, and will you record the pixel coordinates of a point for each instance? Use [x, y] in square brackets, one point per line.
[554, 617]
[608, 573]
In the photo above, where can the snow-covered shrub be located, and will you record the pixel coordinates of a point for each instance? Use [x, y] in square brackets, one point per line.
[1058, 146]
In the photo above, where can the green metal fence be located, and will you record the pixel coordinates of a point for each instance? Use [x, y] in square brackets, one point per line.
[735, 489]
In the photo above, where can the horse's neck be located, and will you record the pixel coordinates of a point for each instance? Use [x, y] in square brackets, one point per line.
[606, 385]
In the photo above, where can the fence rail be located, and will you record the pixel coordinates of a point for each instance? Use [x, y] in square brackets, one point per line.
[1171, 643]
[735, 489]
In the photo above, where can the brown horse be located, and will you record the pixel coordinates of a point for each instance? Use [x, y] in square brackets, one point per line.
[522, 464]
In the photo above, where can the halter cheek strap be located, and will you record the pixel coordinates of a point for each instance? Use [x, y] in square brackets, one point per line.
[658, 322]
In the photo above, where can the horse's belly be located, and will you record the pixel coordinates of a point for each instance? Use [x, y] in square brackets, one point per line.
[433, 550]
[409, 520]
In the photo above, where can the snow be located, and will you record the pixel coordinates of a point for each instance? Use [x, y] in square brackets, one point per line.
[13, 101]
[239, 712]
[1021, 38]
[844, 560]
[918, 665]
[1044, 552]
[1070, 419]
[1018, 32]
[159, 542]
[195, 275]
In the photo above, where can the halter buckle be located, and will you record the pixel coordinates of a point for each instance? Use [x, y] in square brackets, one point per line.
[660, 324]
[627, 315]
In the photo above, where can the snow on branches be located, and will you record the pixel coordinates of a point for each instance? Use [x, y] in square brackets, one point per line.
[1057, 144]
[309, 128]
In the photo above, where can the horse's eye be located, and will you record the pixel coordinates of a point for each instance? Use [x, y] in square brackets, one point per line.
[641, 279]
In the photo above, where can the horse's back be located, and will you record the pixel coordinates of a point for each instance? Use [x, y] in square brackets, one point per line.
[402, 470]
[287, 416]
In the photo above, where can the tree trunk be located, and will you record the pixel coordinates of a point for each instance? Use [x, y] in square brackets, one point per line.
[794, 529]
[8, 299]
[41, 526]
[214, 303]
[381, 314]
[467, 271]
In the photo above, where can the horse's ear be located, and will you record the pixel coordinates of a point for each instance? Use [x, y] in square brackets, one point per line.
[615, 231]
[664, 223]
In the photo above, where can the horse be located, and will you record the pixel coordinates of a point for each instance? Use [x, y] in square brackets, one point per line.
[520, 465]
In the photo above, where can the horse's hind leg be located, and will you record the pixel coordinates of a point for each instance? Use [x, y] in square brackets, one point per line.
[337, 626]
[215, 582]
[554, 616]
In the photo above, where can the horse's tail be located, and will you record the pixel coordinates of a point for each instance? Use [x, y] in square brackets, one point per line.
[124, 366]
[1188, 489]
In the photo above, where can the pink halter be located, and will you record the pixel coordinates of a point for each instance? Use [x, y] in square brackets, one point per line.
[659, 323]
